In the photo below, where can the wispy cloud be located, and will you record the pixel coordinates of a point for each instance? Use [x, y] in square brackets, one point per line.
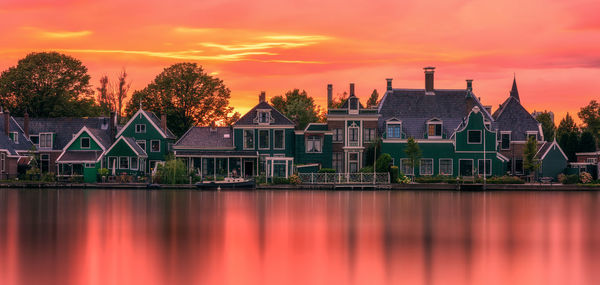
[58, 34]
[254, 46]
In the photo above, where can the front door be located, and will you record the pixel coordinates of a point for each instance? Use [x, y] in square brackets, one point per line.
[466, 167]
[248, 168]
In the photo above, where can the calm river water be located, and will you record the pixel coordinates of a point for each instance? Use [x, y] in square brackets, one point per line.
[298, 237]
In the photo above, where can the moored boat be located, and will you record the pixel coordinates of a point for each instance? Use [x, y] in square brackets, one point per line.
[228, 183]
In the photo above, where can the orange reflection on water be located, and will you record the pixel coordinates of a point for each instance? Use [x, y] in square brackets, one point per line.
[298, 237]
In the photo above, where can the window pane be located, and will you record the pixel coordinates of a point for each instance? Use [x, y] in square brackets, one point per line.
[445, 166]
[155, 146]
[474, 136]
[124, 163]
[487, 167]
[505, 141]
[278, 139]
[248, 139]
[263, 139]
[426, 166]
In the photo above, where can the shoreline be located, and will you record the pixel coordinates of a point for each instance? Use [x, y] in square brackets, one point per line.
[325, 187]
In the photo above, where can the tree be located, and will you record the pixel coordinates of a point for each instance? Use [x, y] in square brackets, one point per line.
[187, 95]
[567, 134]
[48, 84]
[587, 142]
[373, 100]
[590, 115]
[337, 103]
[548, 127]
[413, 152]
[104, 97]
[567, 125]
[120, 91]
[372, 150]
[297, 106]
[530, 163]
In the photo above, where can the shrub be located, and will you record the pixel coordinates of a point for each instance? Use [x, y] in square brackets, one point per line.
[173, 171]
[295, 179]
[326, 170]
[281, 180]
[48, 177]
[571, 179]
[562, 178]
[505, 180]
[260, 179]
[32, 173]
[103, 171]
[383, 162]
[393, 173]
[585, 177]
[366, 169]
[403, 179]
[435, 179]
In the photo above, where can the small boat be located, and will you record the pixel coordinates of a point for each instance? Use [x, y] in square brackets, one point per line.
[153, 186]
[228, 183]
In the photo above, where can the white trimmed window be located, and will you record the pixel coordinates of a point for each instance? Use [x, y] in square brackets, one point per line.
[474, 136]
[264, 117]
[434, 129]
[314, 144]
[142, 144]
[248, 139]
[84, 143]
[123, 162]
[263, 139]
[154, 146]
[591, 160]
[278, 139]
[134, 163]
[394, 130]
[46, 140]
[406, 168]
[140, 128]
[369, 135]
[338, 135]
[353, 136]
[426, 167]
[446, 166]
[487, 167]
[338, 161]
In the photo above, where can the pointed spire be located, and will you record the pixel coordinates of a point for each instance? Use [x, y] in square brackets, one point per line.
[514, 92]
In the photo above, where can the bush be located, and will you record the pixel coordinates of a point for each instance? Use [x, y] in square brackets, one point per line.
[32, 174]
[103, 171]
[585, 177]
[570, 179]
[435, 179]
[281, 180]
[562, 178]
[260, 179]
[402, 179]
[173, 171]
[48, 177]
[393, 173]
[366, 169]
[295, 179]
[505, 180]
[326, 170]
[383, 162]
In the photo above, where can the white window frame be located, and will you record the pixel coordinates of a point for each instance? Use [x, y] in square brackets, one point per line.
[268, 139]
[351, 142]
[472, 165]
[591, 160]
[89, 143]
[51, 141]
[469, 136]
[393, 125]
[487, 170]
[338, 133]
[140, 131]
[451, 167]
[371, 132]
[15, 137]
[509, 140]
[441, 129]
[267, 117]
[530, 133]
[152, 150]
[282, 137]
[141, 141]
[121, 159]
[337, 159]
[137, 163]
[89, 165]
[3, 162]
[244, 131]
[307, 139]
[44, 157]
[421, 167]
[402, 163]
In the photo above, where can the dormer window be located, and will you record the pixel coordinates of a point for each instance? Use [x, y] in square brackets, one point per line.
[263, 117]
[140, 128]
[14, 136]
[394, 130]
[353, 105]
[434, 129]
[45, 140]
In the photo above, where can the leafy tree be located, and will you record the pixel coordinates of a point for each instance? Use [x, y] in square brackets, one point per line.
[567, 125]
[172, 172]
[590, 115]
[548, 126]
[530, 164]
[413, 152]
[48, 84]
[337, 103]
[297, 106]
[568, 136]
[373, 100]
[587, 142]
[188, 96]
[104, 97]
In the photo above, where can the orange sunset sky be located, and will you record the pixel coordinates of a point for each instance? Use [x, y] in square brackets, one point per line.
[552, 46]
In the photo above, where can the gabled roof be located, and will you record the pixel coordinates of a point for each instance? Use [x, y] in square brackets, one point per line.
[278, 118]
[415, 108]
[24, 142]
[206, 138]
[154, 120]
[545, 149]
[512, 116]
[346, 102]
[7, 145]
[65, 128]
[132, 145]
[80, 156]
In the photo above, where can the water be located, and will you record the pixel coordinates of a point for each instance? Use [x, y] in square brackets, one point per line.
[298, 237]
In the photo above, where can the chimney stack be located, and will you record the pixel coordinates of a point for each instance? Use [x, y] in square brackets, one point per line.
[262, 97]
[329, 95]
[429, 78]
[113, 125]
[6, 122]
[351, 89]
[163, 122]
[26, 124]
[469, 84]
[389, 84]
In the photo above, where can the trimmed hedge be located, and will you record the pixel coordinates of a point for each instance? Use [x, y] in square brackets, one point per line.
[326, 170]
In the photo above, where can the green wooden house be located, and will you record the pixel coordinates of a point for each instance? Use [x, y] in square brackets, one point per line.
[82, 156]
[313, 148]
[151, 134]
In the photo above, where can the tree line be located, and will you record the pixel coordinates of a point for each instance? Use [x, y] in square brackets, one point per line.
[51, 84]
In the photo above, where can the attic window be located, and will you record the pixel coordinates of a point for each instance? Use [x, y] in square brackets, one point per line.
[140, 128]
[434, 130]
[353, 103]
[14, 136]
[263, 117]
[226, 136]
[474, 137]
[85, 142]
[394, 130]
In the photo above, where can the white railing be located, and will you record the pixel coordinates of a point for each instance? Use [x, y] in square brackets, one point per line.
[345, 178]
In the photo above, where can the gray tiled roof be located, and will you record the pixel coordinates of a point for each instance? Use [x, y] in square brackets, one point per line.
[80, 155]
[512, 116]
[7, 144]
[223, 153]
[543, 149]
[24, 143]
[136, 146]
[65, 128]
[156, 121]
[278, 118]
[414, 109]
[207, 138]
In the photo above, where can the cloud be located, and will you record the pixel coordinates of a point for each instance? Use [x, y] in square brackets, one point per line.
[58, 34]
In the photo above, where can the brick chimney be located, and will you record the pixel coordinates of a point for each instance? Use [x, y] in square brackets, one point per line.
[429, 78]
[113, 126]
[6, 122]
[469, 84]
[262, 97]
[26, 124]
[163, 122]
[352, 89]
[389, 84]
[329, 95]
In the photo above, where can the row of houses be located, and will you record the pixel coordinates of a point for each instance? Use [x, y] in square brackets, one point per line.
[457, 134]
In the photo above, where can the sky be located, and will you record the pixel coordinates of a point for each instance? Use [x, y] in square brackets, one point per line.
[274, 46]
